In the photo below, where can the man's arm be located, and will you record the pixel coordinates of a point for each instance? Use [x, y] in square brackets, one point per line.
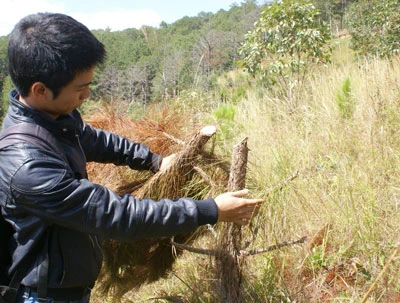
[106, 147]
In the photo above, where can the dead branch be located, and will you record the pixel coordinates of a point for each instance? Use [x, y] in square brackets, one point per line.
[396, 250]
[173, 139]
[177, 173]
[272, 247]
[237, 176]
[205, 177]
[243, 253]
[201, 251]
[282, 184]
[229, 261]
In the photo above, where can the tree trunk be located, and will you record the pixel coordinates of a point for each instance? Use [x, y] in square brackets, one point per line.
[229, 261]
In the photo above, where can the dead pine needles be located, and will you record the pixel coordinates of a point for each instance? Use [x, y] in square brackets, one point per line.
[130, 265]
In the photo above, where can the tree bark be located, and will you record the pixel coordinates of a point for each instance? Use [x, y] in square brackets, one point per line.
[230, 261]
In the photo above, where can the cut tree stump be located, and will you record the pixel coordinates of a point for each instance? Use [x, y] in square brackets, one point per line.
[229, 260]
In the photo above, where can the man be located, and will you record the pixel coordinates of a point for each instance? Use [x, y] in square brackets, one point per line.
[57, 213]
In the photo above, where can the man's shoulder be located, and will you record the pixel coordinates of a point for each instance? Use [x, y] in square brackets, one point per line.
[20, 154]
[25, 146]
[31, 134]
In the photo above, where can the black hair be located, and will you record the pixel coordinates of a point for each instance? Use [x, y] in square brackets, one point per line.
[51, 48]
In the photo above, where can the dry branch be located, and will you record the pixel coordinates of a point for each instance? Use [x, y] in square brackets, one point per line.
[393, 255]
[130, 265]
[229, 261]
[282, 184]
[253, 252]
[150, 259]
[205, 177]
[201, 251]
[243, 253]
[237, 176]
[179, 170]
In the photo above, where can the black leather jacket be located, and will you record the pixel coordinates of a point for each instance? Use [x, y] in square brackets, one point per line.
[48, 199]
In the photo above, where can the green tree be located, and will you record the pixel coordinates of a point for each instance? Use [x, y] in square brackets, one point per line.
[375, 28]
[334, 12]
[7, 87]
[123, 47]
[285, 42]
[186, 54]
[3, 61]
[171, 54]
[232, 25]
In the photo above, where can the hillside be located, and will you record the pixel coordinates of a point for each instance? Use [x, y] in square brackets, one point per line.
[325, 158]
[344, 198]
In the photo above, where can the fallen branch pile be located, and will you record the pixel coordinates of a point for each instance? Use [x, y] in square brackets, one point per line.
[194, 172]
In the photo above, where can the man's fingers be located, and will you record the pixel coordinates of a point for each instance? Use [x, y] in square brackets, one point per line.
[240, 193]
[244, 192]
[234, 207]
[257, 202]
[253, 202]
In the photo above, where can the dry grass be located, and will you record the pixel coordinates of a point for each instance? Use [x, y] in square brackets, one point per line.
[349, 176]
[345, 199]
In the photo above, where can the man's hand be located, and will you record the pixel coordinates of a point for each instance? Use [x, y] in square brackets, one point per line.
[166, 162]
[233, 207]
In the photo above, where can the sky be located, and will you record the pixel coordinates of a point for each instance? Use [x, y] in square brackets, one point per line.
[113, 14]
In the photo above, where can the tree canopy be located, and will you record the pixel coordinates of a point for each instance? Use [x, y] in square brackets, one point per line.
[286, 40]
[375, 28]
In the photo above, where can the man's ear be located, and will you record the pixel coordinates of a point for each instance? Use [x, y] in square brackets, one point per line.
[41, 92]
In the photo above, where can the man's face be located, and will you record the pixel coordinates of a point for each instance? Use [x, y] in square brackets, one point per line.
[71, 96]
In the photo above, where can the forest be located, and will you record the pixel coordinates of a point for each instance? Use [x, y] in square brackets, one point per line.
[151, 64]
[313, 86]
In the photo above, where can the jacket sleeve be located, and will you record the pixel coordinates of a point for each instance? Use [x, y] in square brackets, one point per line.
[46, 188]
[105, 147]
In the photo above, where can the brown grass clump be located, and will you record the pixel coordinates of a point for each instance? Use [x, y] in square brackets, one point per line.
[129, 265]
[164, 137]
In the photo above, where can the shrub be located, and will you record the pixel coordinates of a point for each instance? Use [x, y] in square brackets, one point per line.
[345, 101]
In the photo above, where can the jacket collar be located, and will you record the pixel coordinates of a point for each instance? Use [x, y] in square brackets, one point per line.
[19, 112]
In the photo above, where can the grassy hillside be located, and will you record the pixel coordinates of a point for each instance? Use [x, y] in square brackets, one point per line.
[343, 139]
